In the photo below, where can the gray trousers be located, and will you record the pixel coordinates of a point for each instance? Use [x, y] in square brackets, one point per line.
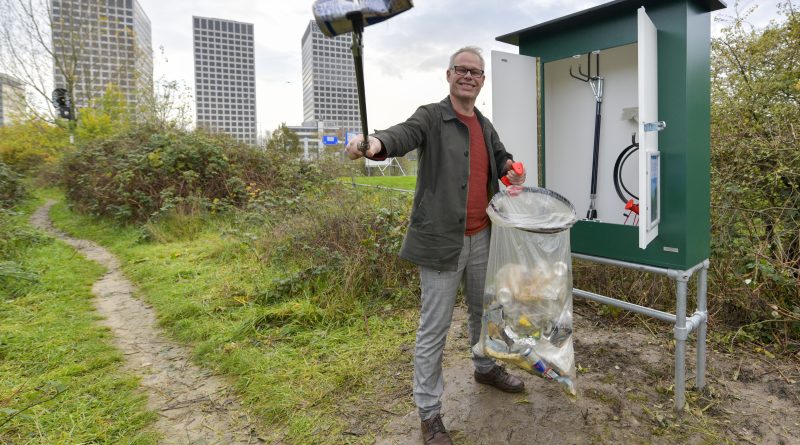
[438, 299]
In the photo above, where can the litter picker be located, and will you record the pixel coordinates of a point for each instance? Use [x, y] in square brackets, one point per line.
[596, 82]
[336, 17]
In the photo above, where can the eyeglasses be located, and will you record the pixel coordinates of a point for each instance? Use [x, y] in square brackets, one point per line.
[462, 71]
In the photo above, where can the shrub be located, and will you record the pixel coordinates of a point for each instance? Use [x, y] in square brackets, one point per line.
[28, 145]
[146, 172]
[755, 188]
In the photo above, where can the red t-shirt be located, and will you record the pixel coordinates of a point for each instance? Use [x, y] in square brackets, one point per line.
[477, 188]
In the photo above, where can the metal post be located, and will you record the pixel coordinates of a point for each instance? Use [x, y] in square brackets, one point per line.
[681, 333]
[683, 324]
[702, 288]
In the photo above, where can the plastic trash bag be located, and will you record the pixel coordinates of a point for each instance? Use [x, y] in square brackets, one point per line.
[527, 316]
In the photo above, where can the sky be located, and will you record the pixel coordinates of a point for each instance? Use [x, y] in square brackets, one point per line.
[405, 58]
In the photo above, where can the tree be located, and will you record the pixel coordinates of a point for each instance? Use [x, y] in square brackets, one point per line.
[285, 140]
[25, 52]
[46, 44]
[108, 114]
[755, 115]
[169, 105]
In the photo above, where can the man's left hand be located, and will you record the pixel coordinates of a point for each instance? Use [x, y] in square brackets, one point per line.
[513, 177]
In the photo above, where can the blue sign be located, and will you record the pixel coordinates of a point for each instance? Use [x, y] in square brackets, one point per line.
[330, 140]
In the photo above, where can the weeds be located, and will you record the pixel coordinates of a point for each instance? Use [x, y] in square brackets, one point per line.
[11, 188]
[302, 320]
[15, 240]
[353, 243]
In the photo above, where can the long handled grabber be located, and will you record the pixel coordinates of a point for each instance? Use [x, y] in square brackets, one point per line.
[336, 17]
[596, 82]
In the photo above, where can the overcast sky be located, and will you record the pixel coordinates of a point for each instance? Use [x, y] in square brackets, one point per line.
[405, 57]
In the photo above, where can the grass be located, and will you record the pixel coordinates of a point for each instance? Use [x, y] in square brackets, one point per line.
[305, 370]
[399, 182]
[60, 378]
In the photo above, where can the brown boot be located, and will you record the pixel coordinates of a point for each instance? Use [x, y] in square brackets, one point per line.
[433, 432]
[500, 379]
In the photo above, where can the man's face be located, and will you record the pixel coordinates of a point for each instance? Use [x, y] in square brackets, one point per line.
[467, 86]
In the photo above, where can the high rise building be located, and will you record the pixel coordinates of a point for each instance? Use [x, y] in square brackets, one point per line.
[224, 77]
[99, 43]
[12, 99]
[329, 83]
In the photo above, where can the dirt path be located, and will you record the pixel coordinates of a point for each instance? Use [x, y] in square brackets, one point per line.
[194, 406]
[624, 397]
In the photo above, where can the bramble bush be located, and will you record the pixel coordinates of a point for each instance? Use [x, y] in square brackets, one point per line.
[146, 172]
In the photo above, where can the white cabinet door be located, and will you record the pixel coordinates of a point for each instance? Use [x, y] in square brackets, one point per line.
[649, 159]
[514, 109]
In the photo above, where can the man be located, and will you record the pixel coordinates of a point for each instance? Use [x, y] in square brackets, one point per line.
[461, 159]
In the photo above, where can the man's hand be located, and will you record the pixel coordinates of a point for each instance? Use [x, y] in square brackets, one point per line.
[353, 151]
[513, 177]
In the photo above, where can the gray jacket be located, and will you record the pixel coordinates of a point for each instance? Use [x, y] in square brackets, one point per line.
[438, 218]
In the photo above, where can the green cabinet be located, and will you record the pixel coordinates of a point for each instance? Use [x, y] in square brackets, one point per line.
[653, 57]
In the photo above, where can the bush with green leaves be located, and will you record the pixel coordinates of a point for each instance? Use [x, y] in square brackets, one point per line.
[146, 172]
[755, 189]
[27, 145]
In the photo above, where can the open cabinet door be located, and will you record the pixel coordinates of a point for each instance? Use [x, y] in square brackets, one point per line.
[514, 109]
[649, 126]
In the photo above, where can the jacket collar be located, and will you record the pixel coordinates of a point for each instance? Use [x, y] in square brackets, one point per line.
[448, 113]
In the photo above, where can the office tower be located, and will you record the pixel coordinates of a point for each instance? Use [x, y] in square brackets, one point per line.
[12, 99]
[98, 43]
[224, 77]
[329, 81]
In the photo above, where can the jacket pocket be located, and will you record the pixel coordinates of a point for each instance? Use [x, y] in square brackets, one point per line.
[419, 215]
[439, 250]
